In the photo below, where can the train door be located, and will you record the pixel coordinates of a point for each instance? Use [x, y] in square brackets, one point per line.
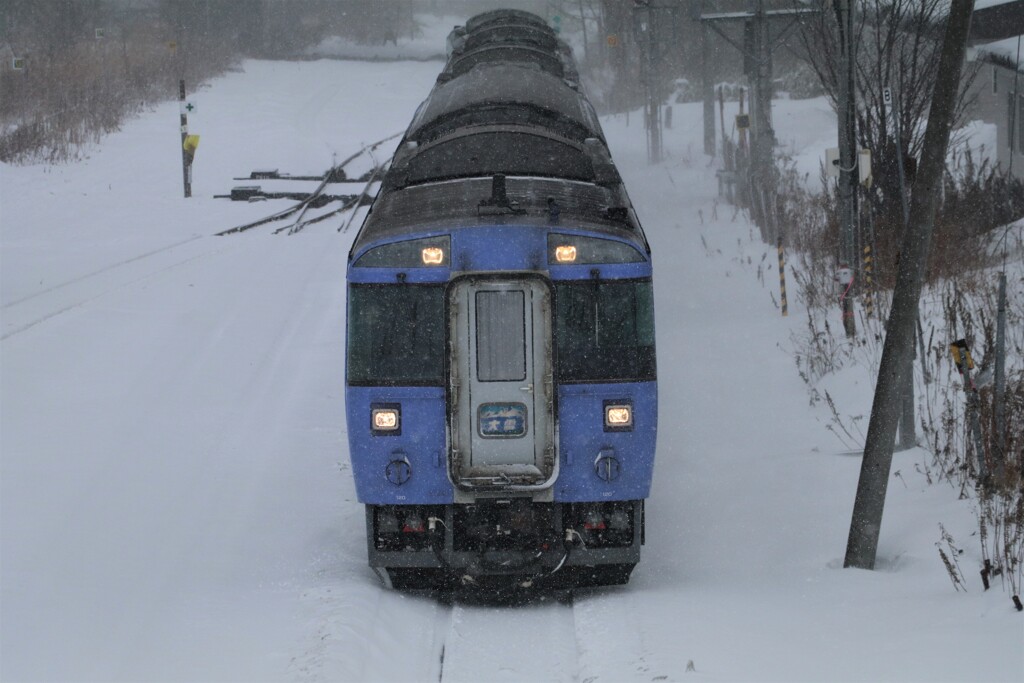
[500, 384]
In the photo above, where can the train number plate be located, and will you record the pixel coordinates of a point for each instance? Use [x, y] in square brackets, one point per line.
[502, 420]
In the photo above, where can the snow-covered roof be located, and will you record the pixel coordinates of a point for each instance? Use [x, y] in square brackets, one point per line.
[996, 28]
[982, 4]
[1010, 48]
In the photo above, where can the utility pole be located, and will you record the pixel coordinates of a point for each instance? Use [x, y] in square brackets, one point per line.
[762, 138]
[848, 175]
[907, 429]
[862, 545]
[756, 48]
[708, 88]
[643, 15]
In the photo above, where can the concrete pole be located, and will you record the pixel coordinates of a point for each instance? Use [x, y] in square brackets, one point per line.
[908, 430]
[762, 137]
[848, 175]
[862, 545]
[999, 390]
[762, 96]
[708, 91]
[653, 102]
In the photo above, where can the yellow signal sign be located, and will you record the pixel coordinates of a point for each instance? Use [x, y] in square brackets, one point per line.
[960, 352]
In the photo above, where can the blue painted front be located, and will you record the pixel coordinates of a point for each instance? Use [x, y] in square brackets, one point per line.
[582, 440]
[422, 442]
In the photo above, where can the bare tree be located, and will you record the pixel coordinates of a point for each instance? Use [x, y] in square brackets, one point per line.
[898, 45]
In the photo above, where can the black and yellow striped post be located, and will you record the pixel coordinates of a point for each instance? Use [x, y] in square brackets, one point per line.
[869, 303]
[782, 279]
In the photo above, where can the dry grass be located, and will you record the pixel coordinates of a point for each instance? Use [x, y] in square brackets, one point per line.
[959, 302]
[61, 103]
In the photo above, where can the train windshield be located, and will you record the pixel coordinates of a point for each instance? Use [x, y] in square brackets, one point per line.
[604, 331]
[396, 335]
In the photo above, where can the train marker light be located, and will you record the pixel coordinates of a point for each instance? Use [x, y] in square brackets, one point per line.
[619, 520]
[618, 416]
[385, 419]
[433, 256]
[565, 253]
[414, 525]
[593, 521]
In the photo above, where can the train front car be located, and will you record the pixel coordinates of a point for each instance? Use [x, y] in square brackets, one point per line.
[501, 390]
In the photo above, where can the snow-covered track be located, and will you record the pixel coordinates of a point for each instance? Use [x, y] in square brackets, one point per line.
[98, 271]
[25, 313]
[536, 641]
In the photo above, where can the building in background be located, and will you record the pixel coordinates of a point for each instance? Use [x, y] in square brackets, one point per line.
[998, 89]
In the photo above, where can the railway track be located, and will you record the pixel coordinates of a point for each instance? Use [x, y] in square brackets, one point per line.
[99, 271]
[586, 636]
[29, 311]
[536, 641]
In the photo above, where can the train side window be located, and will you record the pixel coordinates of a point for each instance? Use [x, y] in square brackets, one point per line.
[396, 335]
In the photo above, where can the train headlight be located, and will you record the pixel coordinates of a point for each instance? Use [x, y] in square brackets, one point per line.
[433, 256]
[567, 250]
[565, 253]
[618, 416]
[426, 251]
[386, 419]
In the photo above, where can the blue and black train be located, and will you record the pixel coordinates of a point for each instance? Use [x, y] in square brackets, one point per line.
[500, 383]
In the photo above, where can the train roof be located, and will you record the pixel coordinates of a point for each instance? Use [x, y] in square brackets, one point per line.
[506, 16]
[477, 151]
[545, 60]
[468, 203]
[530, 35]
[517, 34]
[506, 108]
[505, 93]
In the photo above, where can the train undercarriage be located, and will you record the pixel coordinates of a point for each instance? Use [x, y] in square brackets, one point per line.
[500, 543]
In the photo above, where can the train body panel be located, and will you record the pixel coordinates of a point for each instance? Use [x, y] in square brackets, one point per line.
[409, 465]
[599, 464]
[501, 383]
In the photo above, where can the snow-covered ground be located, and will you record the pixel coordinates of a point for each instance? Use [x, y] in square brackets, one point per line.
[175, 500]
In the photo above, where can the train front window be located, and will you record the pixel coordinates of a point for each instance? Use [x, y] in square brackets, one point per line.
[396, 335]
[604, 331]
